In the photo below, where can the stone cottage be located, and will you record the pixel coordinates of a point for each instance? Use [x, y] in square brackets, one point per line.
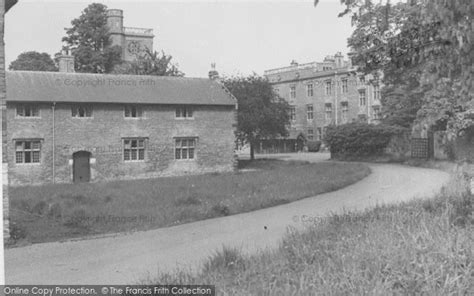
[71, 127]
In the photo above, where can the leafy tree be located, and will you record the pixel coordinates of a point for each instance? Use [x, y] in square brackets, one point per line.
[150, 63]
[425, 50]
[262, 114]
[88, 38]
[33, 61]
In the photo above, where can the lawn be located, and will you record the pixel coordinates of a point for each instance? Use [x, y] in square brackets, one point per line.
[63, 211]
[423, 247]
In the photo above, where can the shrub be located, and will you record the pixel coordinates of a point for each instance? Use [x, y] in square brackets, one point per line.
[313, 146]
[359, 139]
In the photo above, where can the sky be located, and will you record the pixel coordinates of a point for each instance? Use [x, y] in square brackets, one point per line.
[241, 37]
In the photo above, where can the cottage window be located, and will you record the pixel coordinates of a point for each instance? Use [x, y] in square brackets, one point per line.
[310, 134]
[81, 111]
[362, 98]
[292, 92]
[184, 112]
[133, 112]
[309, 90]
[292, 113]
[320, 133]
[27, 151]
[27, 111]
[309, 111]
[185, 148]
[133, 149]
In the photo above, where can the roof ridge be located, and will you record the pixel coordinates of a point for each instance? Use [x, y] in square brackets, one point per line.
[109, 74]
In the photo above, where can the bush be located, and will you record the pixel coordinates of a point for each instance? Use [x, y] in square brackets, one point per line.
[359, 139]
[313, 146]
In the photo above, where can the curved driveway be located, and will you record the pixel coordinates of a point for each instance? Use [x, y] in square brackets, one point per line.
[128, 258]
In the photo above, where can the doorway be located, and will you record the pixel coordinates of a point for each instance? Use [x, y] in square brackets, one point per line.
[81, 168]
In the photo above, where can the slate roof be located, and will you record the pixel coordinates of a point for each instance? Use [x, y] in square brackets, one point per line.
[30, 86]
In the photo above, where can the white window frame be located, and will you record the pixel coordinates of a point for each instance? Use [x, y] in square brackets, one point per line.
[75, 111]
[129, 110]
[31, 150]
[137, 148]
[185, 151]
[31, 108]
[184, 112]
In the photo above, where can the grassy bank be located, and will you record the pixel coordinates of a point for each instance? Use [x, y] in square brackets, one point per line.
[56, 212]
[423, 247]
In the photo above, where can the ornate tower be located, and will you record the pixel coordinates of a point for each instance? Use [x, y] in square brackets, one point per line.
[115, 25]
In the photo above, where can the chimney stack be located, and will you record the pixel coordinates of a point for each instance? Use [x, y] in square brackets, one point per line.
[66, 62]
[213, 74]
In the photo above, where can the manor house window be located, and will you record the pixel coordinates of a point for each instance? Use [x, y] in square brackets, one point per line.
[328, 111]
[344, 86]
[376, 112]
[376, 92]
[293, 92]
[309, 90]
[345, 110]
[292, 113]
[184, 112]
[133, 149]
[81, 111]
[362, 98]
[309, 111]
[310, 134]
[185, 148]
[328, 87]
[27, 151]
[133, 111]
[27, 110]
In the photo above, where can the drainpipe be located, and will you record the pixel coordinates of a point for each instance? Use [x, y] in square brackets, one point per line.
[53, 107]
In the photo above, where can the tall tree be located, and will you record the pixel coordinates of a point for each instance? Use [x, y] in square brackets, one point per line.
[425, 50]
[262, 114]
[88, 38]
[33, 61]
[150, 63]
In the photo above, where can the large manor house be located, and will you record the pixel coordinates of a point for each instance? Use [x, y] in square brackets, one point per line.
[325, 93]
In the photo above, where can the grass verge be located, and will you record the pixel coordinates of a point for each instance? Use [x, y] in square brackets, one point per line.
[63, 211]
[423, 247]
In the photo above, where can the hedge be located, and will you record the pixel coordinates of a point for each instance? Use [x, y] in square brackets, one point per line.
[355, 140]
[313, 146]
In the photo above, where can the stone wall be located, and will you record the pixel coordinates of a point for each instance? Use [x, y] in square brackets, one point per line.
[102, 135]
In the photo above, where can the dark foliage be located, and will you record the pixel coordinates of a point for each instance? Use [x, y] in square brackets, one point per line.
[359, 139]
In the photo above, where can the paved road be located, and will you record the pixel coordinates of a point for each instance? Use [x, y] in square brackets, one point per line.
[125, 259]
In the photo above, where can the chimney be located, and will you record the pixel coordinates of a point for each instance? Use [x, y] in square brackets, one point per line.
[339, 60]
[213, 74]
[294, 63]
[66, 62]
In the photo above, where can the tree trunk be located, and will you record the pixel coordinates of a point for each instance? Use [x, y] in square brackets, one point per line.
[252, 151]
